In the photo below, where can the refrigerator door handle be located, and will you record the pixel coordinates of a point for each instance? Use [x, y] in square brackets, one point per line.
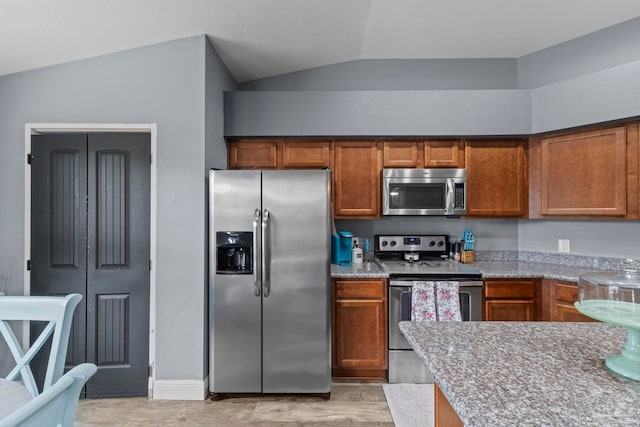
[256, 254]
[266, 283]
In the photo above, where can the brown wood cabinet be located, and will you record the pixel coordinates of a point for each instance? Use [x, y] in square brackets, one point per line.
[511, 299]
[305, 154]
[558, 298]
[587, 174]
[253, 154]
[496, 178]
[583, 173]
[278, 154]
[444, 414]
[356, 179]
[401, 154]
[359, 328]
[444, 154]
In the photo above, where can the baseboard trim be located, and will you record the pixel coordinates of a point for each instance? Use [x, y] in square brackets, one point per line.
[180, 389]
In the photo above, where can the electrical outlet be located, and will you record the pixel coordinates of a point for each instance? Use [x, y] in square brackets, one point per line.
[355, 241]
[564, 245]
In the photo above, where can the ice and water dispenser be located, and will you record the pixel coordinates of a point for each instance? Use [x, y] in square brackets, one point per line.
[234, 252]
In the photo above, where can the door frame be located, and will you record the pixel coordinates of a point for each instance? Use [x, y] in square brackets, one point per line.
[49, 128]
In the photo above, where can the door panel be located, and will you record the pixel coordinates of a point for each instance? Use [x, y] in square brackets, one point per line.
[90, 235]
[58, 231]
[296, 314]
[118, 263]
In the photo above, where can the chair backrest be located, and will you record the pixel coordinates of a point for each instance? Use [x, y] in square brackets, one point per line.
[57, 405]
[58, 312]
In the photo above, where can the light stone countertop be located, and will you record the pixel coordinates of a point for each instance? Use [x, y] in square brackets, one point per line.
[528, 373]
[517, 269]
[366, 270]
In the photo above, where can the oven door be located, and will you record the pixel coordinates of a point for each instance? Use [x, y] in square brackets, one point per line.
[400, 307]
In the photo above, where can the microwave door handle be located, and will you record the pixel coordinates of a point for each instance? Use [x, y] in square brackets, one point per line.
[257, 255]
[450, 199]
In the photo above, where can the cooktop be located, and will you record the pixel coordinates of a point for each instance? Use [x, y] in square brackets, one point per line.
[420, 256]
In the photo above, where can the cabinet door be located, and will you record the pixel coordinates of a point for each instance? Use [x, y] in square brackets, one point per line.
[584, 173]
[443, 154]
[496, 178]
[509, 310]
[510, 299]
[305, 154]
[562, 297]
[253, 154]
[356, 180]
[401, 154]
[359, 325]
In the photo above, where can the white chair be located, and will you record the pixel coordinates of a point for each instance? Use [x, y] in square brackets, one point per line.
[58, 312]
[55, 406]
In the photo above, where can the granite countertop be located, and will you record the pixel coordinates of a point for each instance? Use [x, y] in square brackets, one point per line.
[516, 269]
[366, 270]
[528, 373]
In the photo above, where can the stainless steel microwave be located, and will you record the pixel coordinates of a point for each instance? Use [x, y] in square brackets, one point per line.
[440, 192]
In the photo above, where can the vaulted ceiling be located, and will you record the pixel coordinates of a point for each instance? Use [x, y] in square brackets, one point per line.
[263, 38]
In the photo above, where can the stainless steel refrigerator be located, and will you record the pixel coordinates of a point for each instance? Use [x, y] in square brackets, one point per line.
[269, 285]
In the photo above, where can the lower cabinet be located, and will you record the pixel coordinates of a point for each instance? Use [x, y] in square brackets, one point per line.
[558, 300]
[444, 414]
[511, 299]
[359, 328]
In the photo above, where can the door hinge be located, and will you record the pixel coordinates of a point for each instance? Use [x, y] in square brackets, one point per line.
[29, 158]
[28, 265]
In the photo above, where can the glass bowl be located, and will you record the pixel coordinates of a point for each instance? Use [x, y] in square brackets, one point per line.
[614, 297]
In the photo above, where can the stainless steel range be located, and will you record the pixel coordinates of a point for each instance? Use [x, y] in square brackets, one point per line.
[409, 258]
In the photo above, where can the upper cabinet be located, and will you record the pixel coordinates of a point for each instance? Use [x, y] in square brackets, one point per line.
[586, 174]
[253, 154]
[278, 154]
[496, 178]
[402, 154]
[356, 179]
[445, 153]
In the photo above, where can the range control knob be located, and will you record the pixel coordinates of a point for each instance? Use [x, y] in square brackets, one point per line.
[384, 243]
[432, 243]
[440, 243]
[393, 243]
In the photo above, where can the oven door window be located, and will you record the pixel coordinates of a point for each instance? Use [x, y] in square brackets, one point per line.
[417, 196]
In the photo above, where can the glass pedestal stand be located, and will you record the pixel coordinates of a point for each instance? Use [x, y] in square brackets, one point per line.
[624, 314]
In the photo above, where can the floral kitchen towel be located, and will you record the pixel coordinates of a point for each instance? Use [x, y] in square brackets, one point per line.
[423, 301]
[448, 301]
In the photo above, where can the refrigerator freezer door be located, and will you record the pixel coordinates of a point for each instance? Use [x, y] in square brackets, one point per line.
[296, 312]
[235, 310]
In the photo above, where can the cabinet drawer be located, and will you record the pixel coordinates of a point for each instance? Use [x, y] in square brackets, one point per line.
[507, 289]
[360, 289]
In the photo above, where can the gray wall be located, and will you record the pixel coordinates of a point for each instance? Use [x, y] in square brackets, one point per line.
[618, 239]
[602, 96]
[163, 84]
[397, 74]
[490, 234]
[378, 113]
[607, 48]
[217, 80]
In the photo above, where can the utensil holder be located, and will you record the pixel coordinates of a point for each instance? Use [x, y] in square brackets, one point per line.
[466, 257]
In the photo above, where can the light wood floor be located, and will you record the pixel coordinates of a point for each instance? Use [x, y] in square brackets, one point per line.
[351, 404]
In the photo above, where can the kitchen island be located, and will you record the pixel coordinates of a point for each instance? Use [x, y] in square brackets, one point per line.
[527, 373]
